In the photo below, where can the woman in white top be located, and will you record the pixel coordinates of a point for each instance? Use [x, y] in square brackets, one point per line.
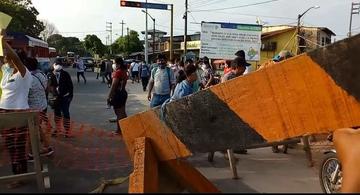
[15, 84]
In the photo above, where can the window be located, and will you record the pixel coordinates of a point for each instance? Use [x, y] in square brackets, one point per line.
[323, 43]
[328, 40]
[269, 46]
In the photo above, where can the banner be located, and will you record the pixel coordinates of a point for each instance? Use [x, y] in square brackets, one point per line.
[191, 45]
[4, 22]
[223, 40]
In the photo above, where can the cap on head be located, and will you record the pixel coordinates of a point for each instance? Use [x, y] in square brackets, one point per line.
[240, 53]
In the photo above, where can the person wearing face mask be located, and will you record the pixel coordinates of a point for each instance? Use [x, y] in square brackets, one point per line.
[185, 87]
[163, 81]
[61, 88]
[15, 84]
[208, 73]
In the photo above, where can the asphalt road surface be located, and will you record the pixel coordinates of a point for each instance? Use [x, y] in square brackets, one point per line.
[71, 170]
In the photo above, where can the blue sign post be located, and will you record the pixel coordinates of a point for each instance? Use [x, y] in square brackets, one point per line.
[137, 4]
[155, 6]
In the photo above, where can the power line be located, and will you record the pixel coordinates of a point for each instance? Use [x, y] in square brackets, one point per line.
[276, 17]
[209, 3]
[178, 29]
[83, 32]
[203, 3]
[234, 7]
[200, 2]
[193, 17]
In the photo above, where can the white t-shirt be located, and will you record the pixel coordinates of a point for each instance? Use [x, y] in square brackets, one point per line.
[80, 67]
[15, 90]
[37, 94]
[161, 77]
[135, 67]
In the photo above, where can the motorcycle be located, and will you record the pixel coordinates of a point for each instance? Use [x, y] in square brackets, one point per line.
[330, 174]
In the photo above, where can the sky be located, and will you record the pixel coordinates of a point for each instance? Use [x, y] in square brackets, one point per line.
[81, 17]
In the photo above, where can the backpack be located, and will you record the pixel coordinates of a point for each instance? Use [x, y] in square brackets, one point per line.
[145, 71]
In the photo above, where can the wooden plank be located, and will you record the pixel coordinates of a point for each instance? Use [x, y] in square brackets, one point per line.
[163, 141]
[297, 97]
[144, 178]
[23, 176]
[188, 176]
[293, 98]
[232, 163]
[35, 142]
[15, 118]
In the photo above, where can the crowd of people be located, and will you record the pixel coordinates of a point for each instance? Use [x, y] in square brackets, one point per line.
[24, 86]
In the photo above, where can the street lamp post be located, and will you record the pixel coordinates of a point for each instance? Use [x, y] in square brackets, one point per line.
[153, 47]
[298, 25]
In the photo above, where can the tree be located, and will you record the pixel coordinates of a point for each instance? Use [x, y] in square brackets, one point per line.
[65, 44]
[128, 44]
[94, 45]
[24, 17]
[49, 30]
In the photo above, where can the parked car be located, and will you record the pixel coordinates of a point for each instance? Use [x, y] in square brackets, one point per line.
[89, 63]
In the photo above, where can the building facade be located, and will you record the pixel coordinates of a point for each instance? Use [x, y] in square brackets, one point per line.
[284, 37]
[273, 38]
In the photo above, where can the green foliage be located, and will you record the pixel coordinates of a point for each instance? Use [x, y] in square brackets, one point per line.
[128, 44]
[94, 45]
[65, 44]
[24, 17]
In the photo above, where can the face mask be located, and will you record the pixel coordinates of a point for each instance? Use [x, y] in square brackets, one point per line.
[8, 69]
[114, 66]
[57, 68]
[203, 66]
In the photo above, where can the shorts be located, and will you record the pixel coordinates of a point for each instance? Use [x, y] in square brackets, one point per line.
[120, 98]
[134, 73]
[158, 100]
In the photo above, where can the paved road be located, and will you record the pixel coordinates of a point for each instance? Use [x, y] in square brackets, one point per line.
[89, 103]
[260, 170]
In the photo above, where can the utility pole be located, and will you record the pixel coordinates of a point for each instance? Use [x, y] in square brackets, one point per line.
[146, 35]
[128, 40]
[171, 32]
[154, 31]
[298, 27]
[109, 29]
[153, 36]
[185, 34]
[355, 9]
[122, 28]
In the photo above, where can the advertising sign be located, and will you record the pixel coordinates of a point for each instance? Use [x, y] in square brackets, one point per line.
[223, 40]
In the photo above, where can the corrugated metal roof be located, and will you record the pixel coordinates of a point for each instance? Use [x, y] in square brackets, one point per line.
[273, 33]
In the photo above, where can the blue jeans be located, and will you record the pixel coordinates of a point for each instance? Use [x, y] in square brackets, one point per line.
[158, 100]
